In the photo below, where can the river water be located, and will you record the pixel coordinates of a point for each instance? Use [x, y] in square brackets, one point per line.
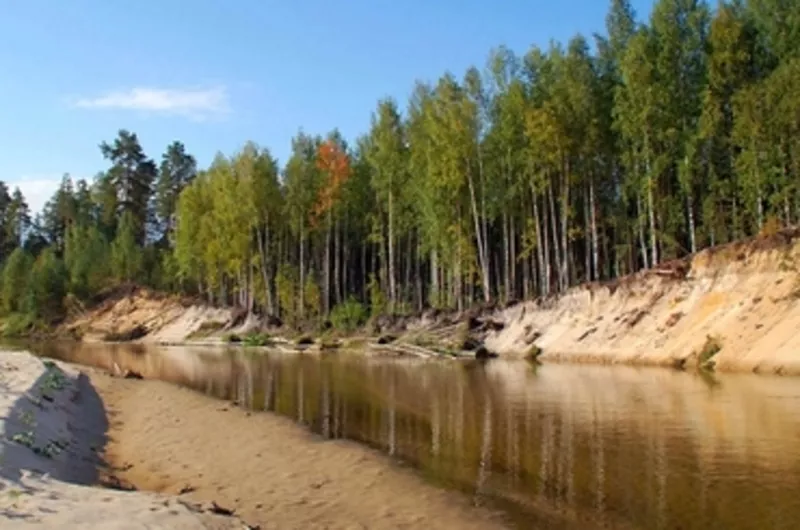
[553, 446]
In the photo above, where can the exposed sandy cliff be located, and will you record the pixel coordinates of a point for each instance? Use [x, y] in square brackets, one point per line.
[740, 303]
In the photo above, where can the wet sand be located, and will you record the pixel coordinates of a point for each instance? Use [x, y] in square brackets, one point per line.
[268, 470]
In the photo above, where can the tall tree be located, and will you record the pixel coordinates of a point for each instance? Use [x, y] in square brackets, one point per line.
[17, 221]
[388, 159]
[177, 170]
[132, 175]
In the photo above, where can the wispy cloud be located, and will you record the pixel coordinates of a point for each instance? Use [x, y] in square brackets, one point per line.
[196, 104]
[37, 189]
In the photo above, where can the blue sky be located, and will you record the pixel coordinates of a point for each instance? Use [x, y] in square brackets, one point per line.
[216, 73]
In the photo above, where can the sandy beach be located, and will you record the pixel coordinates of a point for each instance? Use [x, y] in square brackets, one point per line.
[52, 434]
[272, 472]
[68, 432]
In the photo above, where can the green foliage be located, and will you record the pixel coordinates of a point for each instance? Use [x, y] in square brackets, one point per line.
[16, 274]
[533, 353]
[288, 292]
[348, 315]
[377, 298]
[711, 347]
[312, 297]
[126, 255]
[87, 258]
[47, 287]
[130, 178]
[253, 339]
[257, 339]
[18, 325]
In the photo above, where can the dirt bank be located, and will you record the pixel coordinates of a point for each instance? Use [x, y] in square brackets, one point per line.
[738, 306]
[52, 423]
[734, 307]
[269, 470]
[133, 313]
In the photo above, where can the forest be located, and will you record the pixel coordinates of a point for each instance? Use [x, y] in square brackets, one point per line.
[582, 161]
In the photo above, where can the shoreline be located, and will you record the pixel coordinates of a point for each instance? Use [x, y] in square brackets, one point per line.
[733, 308]
[53, 428]
[187, 456]
[269, 470]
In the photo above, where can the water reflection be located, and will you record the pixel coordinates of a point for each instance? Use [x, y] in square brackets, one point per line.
[557, 446]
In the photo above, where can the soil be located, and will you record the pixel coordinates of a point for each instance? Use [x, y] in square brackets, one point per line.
[264, 468]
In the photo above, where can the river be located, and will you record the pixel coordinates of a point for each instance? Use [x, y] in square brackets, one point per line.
[614, 447]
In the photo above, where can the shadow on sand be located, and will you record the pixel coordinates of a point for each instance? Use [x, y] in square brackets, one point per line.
[58, 431]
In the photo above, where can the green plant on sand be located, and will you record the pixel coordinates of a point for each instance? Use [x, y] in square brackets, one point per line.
[533, 353]
[711, 347]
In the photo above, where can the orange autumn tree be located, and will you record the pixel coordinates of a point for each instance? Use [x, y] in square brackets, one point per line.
[334, 164]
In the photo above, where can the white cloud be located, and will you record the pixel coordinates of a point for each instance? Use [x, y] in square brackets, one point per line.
[197, 104]
[37, 190]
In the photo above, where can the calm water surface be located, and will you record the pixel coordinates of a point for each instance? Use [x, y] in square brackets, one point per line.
[555, 446]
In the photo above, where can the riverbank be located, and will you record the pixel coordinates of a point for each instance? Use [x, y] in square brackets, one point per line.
[271, 471]
[732, 308]
[52, 432]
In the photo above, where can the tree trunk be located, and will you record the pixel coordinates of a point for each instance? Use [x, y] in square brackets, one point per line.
[392, 288]
[326, 267]
[251, 286]
[506, 258]
[418, 278]
[565, 269]
[587, 239]
[264, 266]
[642, 242]
[434, 294]
[553, 223]
[301, 309]
[512, 229]
[650, 206]
[540, 246]
[480, 241]
[337, 258]
[593, 222]
[690, 212]
[484, 221]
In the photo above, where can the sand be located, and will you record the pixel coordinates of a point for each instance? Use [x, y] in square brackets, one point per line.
[52, 424]
[272, 472]
[745, 298]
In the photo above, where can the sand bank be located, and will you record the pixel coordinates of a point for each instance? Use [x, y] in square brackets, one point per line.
[271, 471]
[52, 432]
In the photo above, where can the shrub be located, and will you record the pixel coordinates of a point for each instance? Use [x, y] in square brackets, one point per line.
[18, 325]
[257, 339]
[348, 315]
[533, 353]
[710, 348]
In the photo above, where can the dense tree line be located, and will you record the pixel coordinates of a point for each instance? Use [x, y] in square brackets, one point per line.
[580, 162]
